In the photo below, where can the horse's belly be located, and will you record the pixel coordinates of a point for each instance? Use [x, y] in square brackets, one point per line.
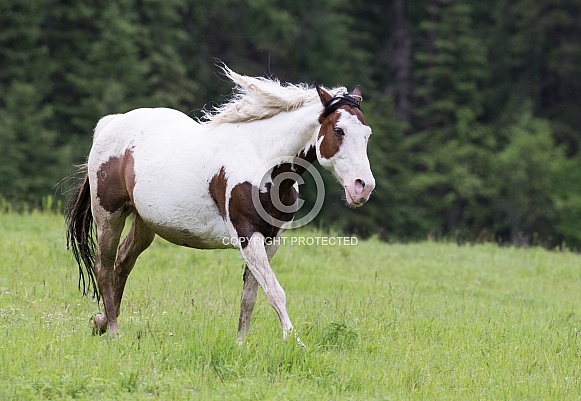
[182, 213]
[187, 228]
[192, 238]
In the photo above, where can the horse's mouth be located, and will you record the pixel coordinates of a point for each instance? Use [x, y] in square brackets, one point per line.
[352, 201]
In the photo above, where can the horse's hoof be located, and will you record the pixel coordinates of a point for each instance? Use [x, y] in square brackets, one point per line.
[295, 334]
[301, 344]
[99, 324]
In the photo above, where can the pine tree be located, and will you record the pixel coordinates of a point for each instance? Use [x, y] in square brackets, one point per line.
[526, 180]
[116, 82]
[161, 40]
[69, 31]
[536, 47]
[449, 147]
[32, 158]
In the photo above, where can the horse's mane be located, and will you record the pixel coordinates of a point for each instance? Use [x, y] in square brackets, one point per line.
[257, 98]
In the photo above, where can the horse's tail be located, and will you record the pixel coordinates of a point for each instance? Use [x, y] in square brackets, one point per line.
[80, 234]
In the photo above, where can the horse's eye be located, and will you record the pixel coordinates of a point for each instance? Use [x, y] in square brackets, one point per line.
[339, 132]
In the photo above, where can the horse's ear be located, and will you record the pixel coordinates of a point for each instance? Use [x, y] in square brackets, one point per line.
[323, 95]
[356, 93]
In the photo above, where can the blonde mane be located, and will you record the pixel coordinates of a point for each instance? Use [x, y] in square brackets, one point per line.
[257, 98]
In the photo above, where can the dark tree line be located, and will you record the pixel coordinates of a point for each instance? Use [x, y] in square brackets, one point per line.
[475, 105]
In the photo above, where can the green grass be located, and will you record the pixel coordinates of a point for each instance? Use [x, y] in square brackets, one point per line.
[427, 321]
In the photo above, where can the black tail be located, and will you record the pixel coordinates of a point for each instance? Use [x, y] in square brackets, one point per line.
[80, 235]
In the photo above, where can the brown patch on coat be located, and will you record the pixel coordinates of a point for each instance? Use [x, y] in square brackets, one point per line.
[217, 189]
[310, 155]
[287, 183]
[286, 186]
[331, 142]
[243, 214]
[357, 113]
[246, 219]
[129, 173]
[116, 181]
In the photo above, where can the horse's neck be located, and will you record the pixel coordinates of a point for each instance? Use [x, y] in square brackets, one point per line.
[289, 133]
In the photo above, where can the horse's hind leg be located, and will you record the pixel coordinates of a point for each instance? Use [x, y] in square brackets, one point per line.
[138, 240]
[109, 228]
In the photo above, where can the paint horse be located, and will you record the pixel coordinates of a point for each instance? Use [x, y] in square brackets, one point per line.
[191, 182]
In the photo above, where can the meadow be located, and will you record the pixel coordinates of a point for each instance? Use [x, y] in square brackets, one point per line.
[425, 321]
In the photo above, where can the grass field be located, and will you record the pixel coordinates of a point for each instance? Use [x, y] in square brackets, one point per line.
[427, 321]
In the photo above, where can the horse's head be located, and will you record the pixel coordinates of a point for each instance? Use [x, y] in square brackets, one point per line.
[342, 144]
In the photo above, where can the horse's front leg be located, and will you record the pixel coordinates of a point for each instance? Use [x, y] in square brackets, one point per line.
[249, 293]
[257, 261]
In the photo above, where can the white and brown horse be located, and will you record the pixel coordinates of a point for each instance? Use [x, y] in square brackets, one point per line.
[191, 182]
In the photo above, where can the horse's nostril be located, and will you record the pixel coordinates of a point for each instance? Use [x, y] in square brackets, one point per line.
[360, 182]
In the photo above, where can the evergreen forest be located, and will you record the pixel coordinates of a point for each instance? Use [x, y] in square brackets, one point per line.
[475, 105]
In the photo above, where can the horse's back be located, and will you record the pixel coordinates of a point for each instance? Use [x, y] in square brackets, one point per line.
[154, 161]
[145, 130]
[149, 121]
